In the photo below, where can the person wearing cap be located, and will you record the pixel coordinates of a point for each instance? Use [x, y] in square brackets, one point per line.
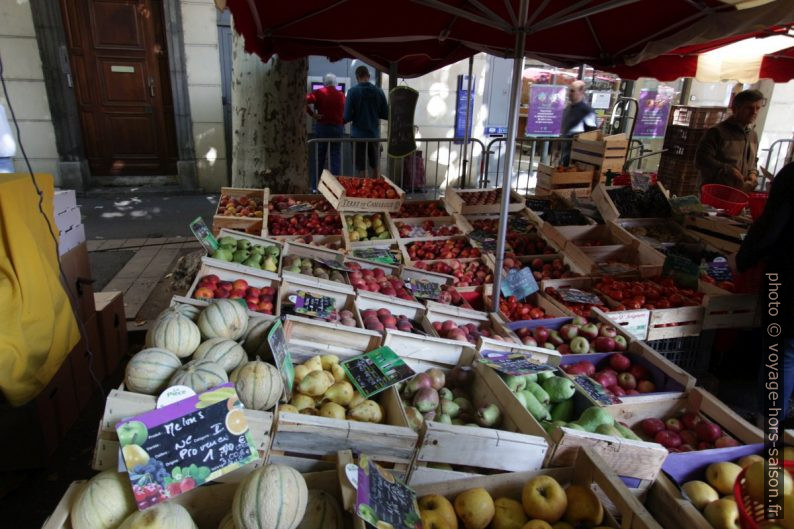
[727, 153]
[365, 106]
[325, 105]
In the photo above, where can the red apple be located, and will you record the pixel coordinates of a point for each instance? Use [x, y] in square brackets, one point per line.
[703, 445]
[212, 278]
[668, 439]
[529, 340]
[564, 349]
[589, 331]
[619, 362]
[690, 420]
[646, 386]
[725, 442]
[627, 381]
[686, 447]
[632, 392]
[673, 424]
[639, 372]
[688, 437]
[605, 379]
[604, 344]
[555, 338]
[240, 284]
[569, 332]
[203, 293]
[617, 391]
[652, 426]
[620, 343]
[607, 330]
[708, 431]
[541, 334]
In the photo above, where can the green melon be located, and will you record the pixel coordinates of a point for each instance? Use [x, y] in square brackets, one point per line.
[258, 385]
[150, 370]
[256, 335]
[104, 502]
[227, 353]
[223, 318]
[270, 497]
[322, 512]
[176, 332]
[166, 515]
[185, 309]
[199, 375]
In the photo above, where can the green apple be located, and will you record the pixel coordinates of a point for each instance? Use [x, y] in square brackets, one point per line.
[133, 432]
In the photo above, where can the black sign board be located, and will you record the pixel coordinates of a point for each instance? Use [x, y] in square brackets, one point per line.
[538, 204]
[595, 390]
[333, 264]
[376, 370]
[281, 356]
[519, 283]
[684, 272]
[513, 363]
[574, 295]
[382, 500]
[424, 289]
[402, 105]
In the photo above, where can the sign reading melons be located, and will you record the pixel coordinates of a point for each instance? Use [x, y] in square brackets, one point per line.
[181, 446]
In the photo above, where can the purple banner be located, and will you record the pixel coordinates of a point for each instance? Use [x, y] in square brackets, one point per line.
[546, 104]
[654, 107]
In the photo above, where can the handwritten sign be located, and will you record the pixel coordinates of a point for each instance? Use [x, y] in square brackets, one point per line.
[176, 448]
[312, 305]
[402, 105]
[719, 269]
[684, 271]
[424, 289]
[521, 224]
[519, 283]
[376, 370]
[616, 269]
[538, 204]
[595, 390]
[299, 207]
[513, 363]
[382, 500]
[574, 295]
[277, 341]
[484, 240]
[204, 235]
[379, 255]
[333, 264]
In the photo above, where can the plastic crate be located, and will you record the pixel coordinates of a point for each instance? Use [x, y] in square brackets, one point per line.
[691, 353]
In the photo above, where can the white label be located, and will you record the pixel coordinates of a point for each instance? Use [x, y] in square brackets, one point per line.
[174, 394]
[116, 68]
[351, 471]
[635, 322]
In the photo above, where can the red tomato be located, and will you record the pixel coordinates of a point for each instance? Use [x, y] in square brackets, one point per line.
[662, 304]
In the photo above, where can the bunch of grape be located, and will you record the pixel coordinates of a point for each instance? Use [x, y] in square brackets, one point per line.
[152, 472]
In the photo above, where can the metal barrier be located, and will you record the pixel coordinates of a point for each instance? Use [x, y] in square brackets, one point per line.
[778, 156]
[435, 165]
[531, 152]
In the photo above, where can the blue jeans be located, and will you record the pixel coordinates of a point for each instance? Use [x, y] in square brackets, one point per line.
[328, 131]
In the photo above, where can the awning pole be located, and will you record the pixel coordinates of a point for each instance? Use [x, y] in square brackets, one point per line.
[512, 125]
[465, 165]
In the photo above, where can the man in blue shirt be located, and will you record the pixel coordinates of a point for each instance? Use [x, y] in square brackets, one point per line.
[365, 106]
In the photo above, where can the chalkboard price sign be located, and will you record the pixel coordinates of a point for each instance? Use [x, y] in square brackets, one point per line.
[377, 370]
[595, 390]
[424, 289]
[309, 304]
[519, 283]
[402, 105]
[277, 341]
[574, 295]
[204, 235]
[513, 363]
[333, 264]
[379, 255]
[176, 448]
[382, 500]
[484, 240]
[684, 271]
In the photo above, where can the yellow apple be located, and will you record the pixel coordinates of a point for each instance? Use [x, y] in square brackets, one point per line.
[434, 520]
[746, 461]
[441, 506]
[699, 493]
[475, 508]
[584, 507]
[544, 499]
[722, 476]
[722, 514]
[509, 514]
[756, 481]
[537, 524]
[788, 453]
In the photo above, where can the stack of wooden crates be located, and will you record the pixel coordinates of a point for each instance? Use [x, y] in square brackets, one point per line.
[686, 126]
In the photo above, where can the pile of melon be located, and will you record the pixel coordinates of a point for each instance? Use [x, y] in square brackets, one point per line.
[271, 497]
[203, 348]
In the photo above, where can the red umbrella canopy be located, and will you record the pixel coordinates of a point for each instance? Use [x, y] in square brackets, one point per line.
[423, 35]
[778, 66]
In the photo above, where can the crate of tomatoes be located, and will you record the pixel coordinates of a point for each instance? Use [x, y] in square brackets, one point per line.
[348, 193]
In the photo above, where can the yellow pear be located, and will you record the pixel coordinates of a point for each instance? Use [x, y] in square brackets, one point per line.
[341, 393]
[329, 376]
[509, 514]
[722, 476]
[301, 401]
[441, 507]
[746, 461]
[756, 481]
[357, 399]
[314, 364]
[544, 499]
[329, 360]
[584, 507]
[434, 520]
[339, 373]
[722, 514]
[300, 373]
[332, 410]
[475, 508]
[699, 493]
[540, 524]
[315, 384]
[287, 408]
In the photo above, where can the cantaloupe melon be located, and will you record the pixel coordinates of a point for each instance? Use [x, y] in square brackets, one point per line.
[166, 515]
[223, 318]
[150, 370]
[258, 384]
[271, 497]
[176, 333]
[104, 502]
[322, 512]
[199, 375]
[227, 353]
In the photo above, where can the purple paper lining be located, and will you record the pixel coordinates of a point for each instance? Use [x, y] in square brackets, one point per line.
[172, 411]
[686, 466]
[550, 323]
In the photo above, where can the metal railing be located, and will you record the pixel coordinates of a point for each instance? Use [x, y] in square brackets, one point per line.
[530, 153]
[437, 163]
[779, 154]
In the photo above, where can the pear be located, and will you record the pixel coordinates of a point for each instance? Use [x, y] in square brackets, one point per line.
[300, 372]
[332, 410]
[339, 373]
[310, 411]
[329, 376]
[253, 263]
[341, 393]
[270, 264]
[227, 241]
[314, 364]
[367, 411]
[300, 401]
[314, 384]
[356, 400]
[327, 361]
[287, 408]
[222, 254]
[243, 244]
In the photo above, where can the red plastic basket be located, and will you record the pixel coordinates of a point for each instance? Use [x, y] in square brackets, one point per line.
[757, 204]
[751, 512]
[723, 197]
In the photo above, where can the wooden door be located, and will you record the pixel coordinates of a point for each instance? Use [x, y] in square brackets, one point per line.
[119, 61]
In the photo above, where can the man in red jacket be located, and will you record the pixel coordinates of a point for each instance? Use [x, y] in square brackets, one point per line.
[325, 105]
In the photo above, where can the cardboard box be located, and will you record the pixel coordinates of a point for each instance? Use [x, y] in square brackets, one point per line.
[112, 323]
[62, 200]
[84, 360]
[77, 270]
[70, 237]
[68, 218]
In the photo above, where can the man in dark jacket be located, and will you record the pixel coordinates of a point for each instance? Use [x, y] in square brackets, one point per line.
[365, 106]
[578, 117]
[727, 154]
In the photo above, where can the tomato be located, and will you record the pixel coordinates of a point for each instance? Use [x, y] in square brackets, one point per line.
[662, 304]
[633, 304]
[640, 299]
[617, 295]
[537, 313]
[649, 306]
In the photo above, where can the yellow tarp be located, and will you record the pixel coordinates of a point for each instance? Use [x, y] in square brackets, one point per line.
[37, 326]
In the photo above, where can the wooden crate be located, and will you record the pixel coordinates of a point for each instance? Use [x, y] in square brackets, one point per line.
[229, 272]
[604, 152]
[723, 233]
[621, 508]
[641, 261]
[316, 201]
[455, 204]
[305, 251]
[374, 243]
[419, 208]
[536, 300]
[550, 178]
[439, 313]
[333, 191]
[251, 225]
[406, 258]
[312, 438]
[526, 260]
[451, 221]
[408, 272]
[606, 206]
[253, 239]
[122, 404]
[629, 227]
[727, 310]
[207, 504]
[398, 307]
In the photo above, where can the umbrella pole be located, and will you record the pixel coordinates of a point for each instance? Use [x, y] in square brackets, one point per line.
[507, 177]
[465, 164]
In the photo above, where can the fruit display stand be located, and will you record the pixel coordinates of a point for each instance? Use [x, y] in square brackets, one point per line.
[368, 301]
[415, 227]
[723, 233]
[609, 211]
[335, 193]
[306, 442]
[606, 153]
[457, 201]
[247, 224]
[294, 250]
[386, 222]
[421, 209]
[253, 240]
[121, 404]
[551, 178]
[616, 260]
[231, 272]
[627, 457]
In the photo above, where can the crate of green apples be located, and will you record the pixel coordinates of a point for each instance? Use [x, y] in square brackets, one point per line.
[261, 255]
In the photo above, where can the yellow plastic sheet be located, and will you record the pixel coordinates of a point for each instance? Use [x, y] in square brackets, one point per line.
[37, 326]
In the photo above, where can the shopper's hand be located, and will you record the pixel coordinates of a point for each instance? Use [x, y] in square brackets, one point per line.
[737, 176]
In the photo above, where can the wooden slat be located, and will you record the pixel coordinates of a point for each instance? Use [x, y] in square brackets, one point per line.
[94, 245]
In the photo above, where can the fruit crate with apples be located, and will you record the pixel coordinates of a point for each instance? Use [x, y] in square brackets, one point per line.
[335, 192]
[542, 335]
[626, 457]
[481, 449]
[349, 219]
[573, 177]
[421, 209]
[415, 227]
[535, 307]
[309, 440]
[207, 505]
[447, 321]
[232, 272]
[319, 258]
[303, 224]
[609, 211]
[248, 242]
[121, 404]
[621, 509]
[245, 221]
[434, 248]
[604, 152]
[474, 201]
[378, 281]
[408, 273]
[381, 315]
[466, 273]
[728, 310]
[344, 315]
[546, 266]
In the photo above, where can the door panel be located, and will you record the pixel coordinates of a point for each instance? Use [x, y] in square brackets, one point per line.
[119, 61]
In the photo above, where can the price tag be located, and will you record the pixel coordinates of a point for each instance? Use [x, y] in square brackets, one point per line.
[377, 370]
[574, 295]
[308, 304]
[422, 288]
[484, 240]
[538, 204]
[616, 269]
[521, 224]
[332, 264]
[595, 390]
[640, 181]
[382, 500]
[519, 283]
[176, 448]
[299, 207]
[719, 270]
[513, 363]
[684, 271]
[379, 255]
[277, 341]
[204, 235]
